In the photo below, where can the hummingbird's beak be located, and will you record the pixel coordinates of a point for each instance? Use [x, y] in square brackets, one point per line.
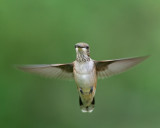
[79, 49]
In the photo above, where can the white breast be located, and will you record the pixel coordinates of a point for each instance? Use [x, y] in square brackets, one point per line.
[84, 73]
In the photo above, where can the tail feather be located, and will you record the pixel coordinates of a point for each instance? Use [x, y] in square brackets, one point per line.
[89, 108]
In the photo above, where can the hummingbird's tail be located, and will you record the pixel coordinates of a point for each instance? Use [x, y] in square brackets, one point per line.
[88, 108]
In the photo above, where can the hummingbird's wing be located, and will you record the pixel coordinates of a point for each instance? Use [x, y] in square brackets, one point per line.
[62, 71]
[108, 68]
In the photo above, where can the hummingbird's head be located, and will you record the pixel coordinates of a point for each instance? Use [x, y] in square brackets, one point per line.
[87, 100]
[82, 48]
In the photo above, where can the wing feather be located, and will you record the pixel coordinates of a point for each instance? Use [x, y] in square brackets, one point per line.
[108, 68]
[62, 71]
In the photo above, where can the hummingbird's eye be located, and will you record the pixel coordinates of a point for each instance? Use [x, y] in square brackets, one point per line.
[87, 47]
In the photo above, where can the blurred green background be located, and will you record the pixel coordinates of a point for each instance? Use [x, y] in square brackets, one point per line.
[45, 31]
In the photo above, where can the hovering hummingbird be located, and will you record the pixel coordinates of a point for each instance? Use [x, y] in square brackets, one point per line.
[85, 71]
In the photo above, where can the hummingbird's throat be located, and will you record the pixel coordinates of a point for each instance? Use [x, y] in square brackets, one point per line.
[82, 57]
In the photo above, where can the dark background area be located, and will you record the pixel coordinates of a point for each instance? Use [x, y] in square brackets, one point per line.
[44, 32]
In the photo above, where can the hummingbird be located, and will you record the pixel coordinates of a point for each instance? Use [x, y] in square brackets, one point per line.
[85, 71]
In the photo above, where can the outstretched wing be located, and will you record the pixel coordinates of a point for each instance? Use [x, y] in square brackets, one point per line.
[108, 68]
[62, 71]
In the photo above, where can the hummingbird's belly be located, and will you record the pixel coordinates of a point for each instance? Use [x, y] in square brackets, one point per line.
[85, 74]
[85, 80]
